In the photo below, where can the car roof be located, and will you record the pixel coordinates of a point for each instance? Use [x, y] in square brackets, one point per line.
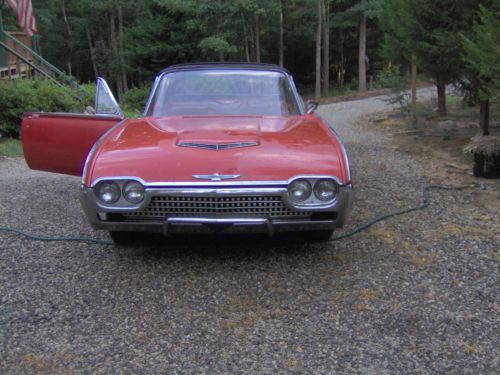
[225, 65]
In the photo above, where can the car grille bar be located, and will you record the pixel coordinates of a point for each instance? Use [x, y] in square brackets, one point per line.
[217, 146]
[204, 206]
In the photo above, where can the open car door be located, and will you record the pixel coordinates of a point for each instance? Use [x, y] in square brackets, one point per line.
[60, 142]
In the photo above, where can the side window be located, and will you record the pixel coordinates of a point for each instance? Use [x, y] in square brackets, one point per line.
[105, 102]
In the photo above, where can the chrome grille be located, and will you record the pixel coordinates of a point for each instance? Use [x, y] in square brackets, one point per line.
[217, 146]
[228, 206]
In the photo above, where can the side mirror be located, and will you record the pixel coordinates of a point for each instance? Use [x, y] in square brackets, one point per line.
[311, 106]
[105, 102]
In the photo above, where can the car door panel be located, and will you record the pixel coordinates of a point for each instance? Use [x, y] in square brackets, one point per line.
[60, 142]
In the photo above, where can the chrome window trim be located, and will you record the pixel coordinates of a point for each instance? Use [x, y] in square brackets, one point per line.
[101, 82]
[151, 95]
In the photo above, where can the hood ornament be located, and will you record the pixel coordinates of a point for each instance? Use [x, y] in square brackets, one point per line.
[216, 176]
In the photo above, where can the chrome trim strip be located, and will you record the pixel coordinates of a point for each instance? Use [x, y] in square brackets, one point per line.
[342, 146]
[208, 184]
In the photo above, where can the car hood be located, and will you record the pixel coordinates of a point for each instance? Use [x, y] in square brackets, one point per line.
[174, 149]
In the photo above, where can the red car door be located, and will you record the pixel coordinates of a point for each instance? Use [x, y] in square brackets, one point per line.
[60, 142]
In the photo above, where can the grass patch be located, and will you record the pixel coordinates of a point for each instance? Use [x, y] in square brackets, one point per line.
[11, 148]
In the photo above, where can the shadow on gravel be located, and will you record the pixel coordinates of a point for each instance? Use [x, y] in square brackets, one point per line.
[221, 247]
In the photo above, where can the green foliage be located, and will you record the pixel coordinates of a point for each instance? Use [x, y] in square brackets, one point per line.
[430, 30]
[390, 77]
[11, 148]
[482, 53]
[21, 96]
[216, 45]
[135, 100]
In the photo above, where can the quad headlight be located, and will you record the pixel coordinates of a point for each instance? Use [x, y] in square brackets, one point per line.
[325, 189]
[133, 192]
[313, 191]
[120, 193]
[299, 190]
[108, 192]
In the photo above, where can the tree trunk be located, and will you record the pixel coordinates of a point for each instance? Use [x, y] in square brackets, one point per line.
[362, 52]
[69, 30]
[326, 47]
[484, 117]
[247, 51]
[92, 53]
[317, 91]
[257, 38]
[123, 70]
[441, 93]
[282, 32]
[341, 76]
[413, 91]
[114, 47]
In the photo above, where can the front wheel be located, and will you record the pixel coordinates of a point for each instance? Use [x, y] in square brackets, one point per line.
[320, 235]
[121, 238]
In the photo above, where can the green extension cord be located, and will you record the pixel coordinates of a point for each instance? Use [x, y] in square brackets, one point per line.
[425, 203]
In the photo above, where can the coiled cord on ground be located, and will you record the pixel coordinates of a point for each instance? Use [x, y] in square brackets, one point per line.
[424, 204]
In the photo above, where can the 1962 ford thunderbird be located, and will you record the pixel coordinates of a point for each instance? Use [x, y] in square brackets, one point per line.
[220, 148]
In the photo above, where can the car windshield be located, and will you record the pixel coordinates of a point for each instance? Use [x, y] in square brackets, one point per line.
[224, 92]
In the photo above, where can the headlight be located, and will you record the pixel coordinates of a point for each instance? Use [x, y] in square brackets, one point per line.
[108, 192]
[325, 190]
[133, 192]
[299, 190]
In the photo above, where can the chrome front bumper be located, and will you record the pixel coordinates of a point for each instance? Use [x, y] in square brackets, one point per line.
[200, 224]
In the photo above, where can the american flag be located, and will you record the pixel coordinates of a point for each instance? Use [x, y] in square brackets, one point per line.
[24, 12]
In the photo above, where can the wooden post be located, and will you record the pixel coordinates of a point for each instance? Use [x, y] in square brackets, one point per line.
[413, 91]
[3, 54]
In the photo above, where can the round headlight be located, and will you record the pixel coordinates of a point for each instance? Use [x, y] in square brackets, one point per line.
[133, 192]
[325, 190]
[299, 190]
[108, 192]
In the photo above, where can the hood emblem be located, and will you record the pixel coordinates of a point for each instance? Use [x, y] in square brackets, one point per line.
[216, 176]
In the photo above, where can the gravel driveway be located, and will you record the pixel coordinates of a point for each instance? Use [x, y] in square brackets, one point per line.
[415, 294]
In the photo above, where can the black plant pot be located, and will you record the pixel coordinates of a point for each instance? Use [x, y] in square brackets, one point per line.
[487, 166]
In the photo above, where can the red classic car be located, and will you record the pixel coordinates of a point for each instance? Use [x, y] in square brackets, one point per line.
[220, 148]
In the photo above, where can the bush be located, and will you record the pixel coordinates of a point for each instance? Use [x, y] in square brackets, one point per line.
[134, 100]
[20, 96]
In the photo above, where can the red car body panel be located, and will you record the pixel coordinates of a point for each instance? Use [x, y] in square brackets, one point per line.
[60, 142]
[286, 147]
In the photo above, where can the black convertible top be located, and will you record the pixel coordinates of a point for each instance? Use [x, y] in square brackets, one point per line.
[225, 65]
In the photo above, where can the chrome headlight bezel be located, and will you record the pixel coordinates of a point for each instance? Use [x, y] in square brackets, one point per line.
[325, 185]
[133, 187]
[314, 199]
[111, 187]
[123, 203]
[297, 185]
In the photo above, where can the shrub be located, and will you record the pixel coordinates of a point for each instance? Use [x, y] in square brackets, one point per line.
[134, 100]
[20, 96]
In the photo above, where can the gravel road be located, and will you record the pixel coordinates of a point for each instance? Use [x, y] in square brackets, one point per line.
[415, 294]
